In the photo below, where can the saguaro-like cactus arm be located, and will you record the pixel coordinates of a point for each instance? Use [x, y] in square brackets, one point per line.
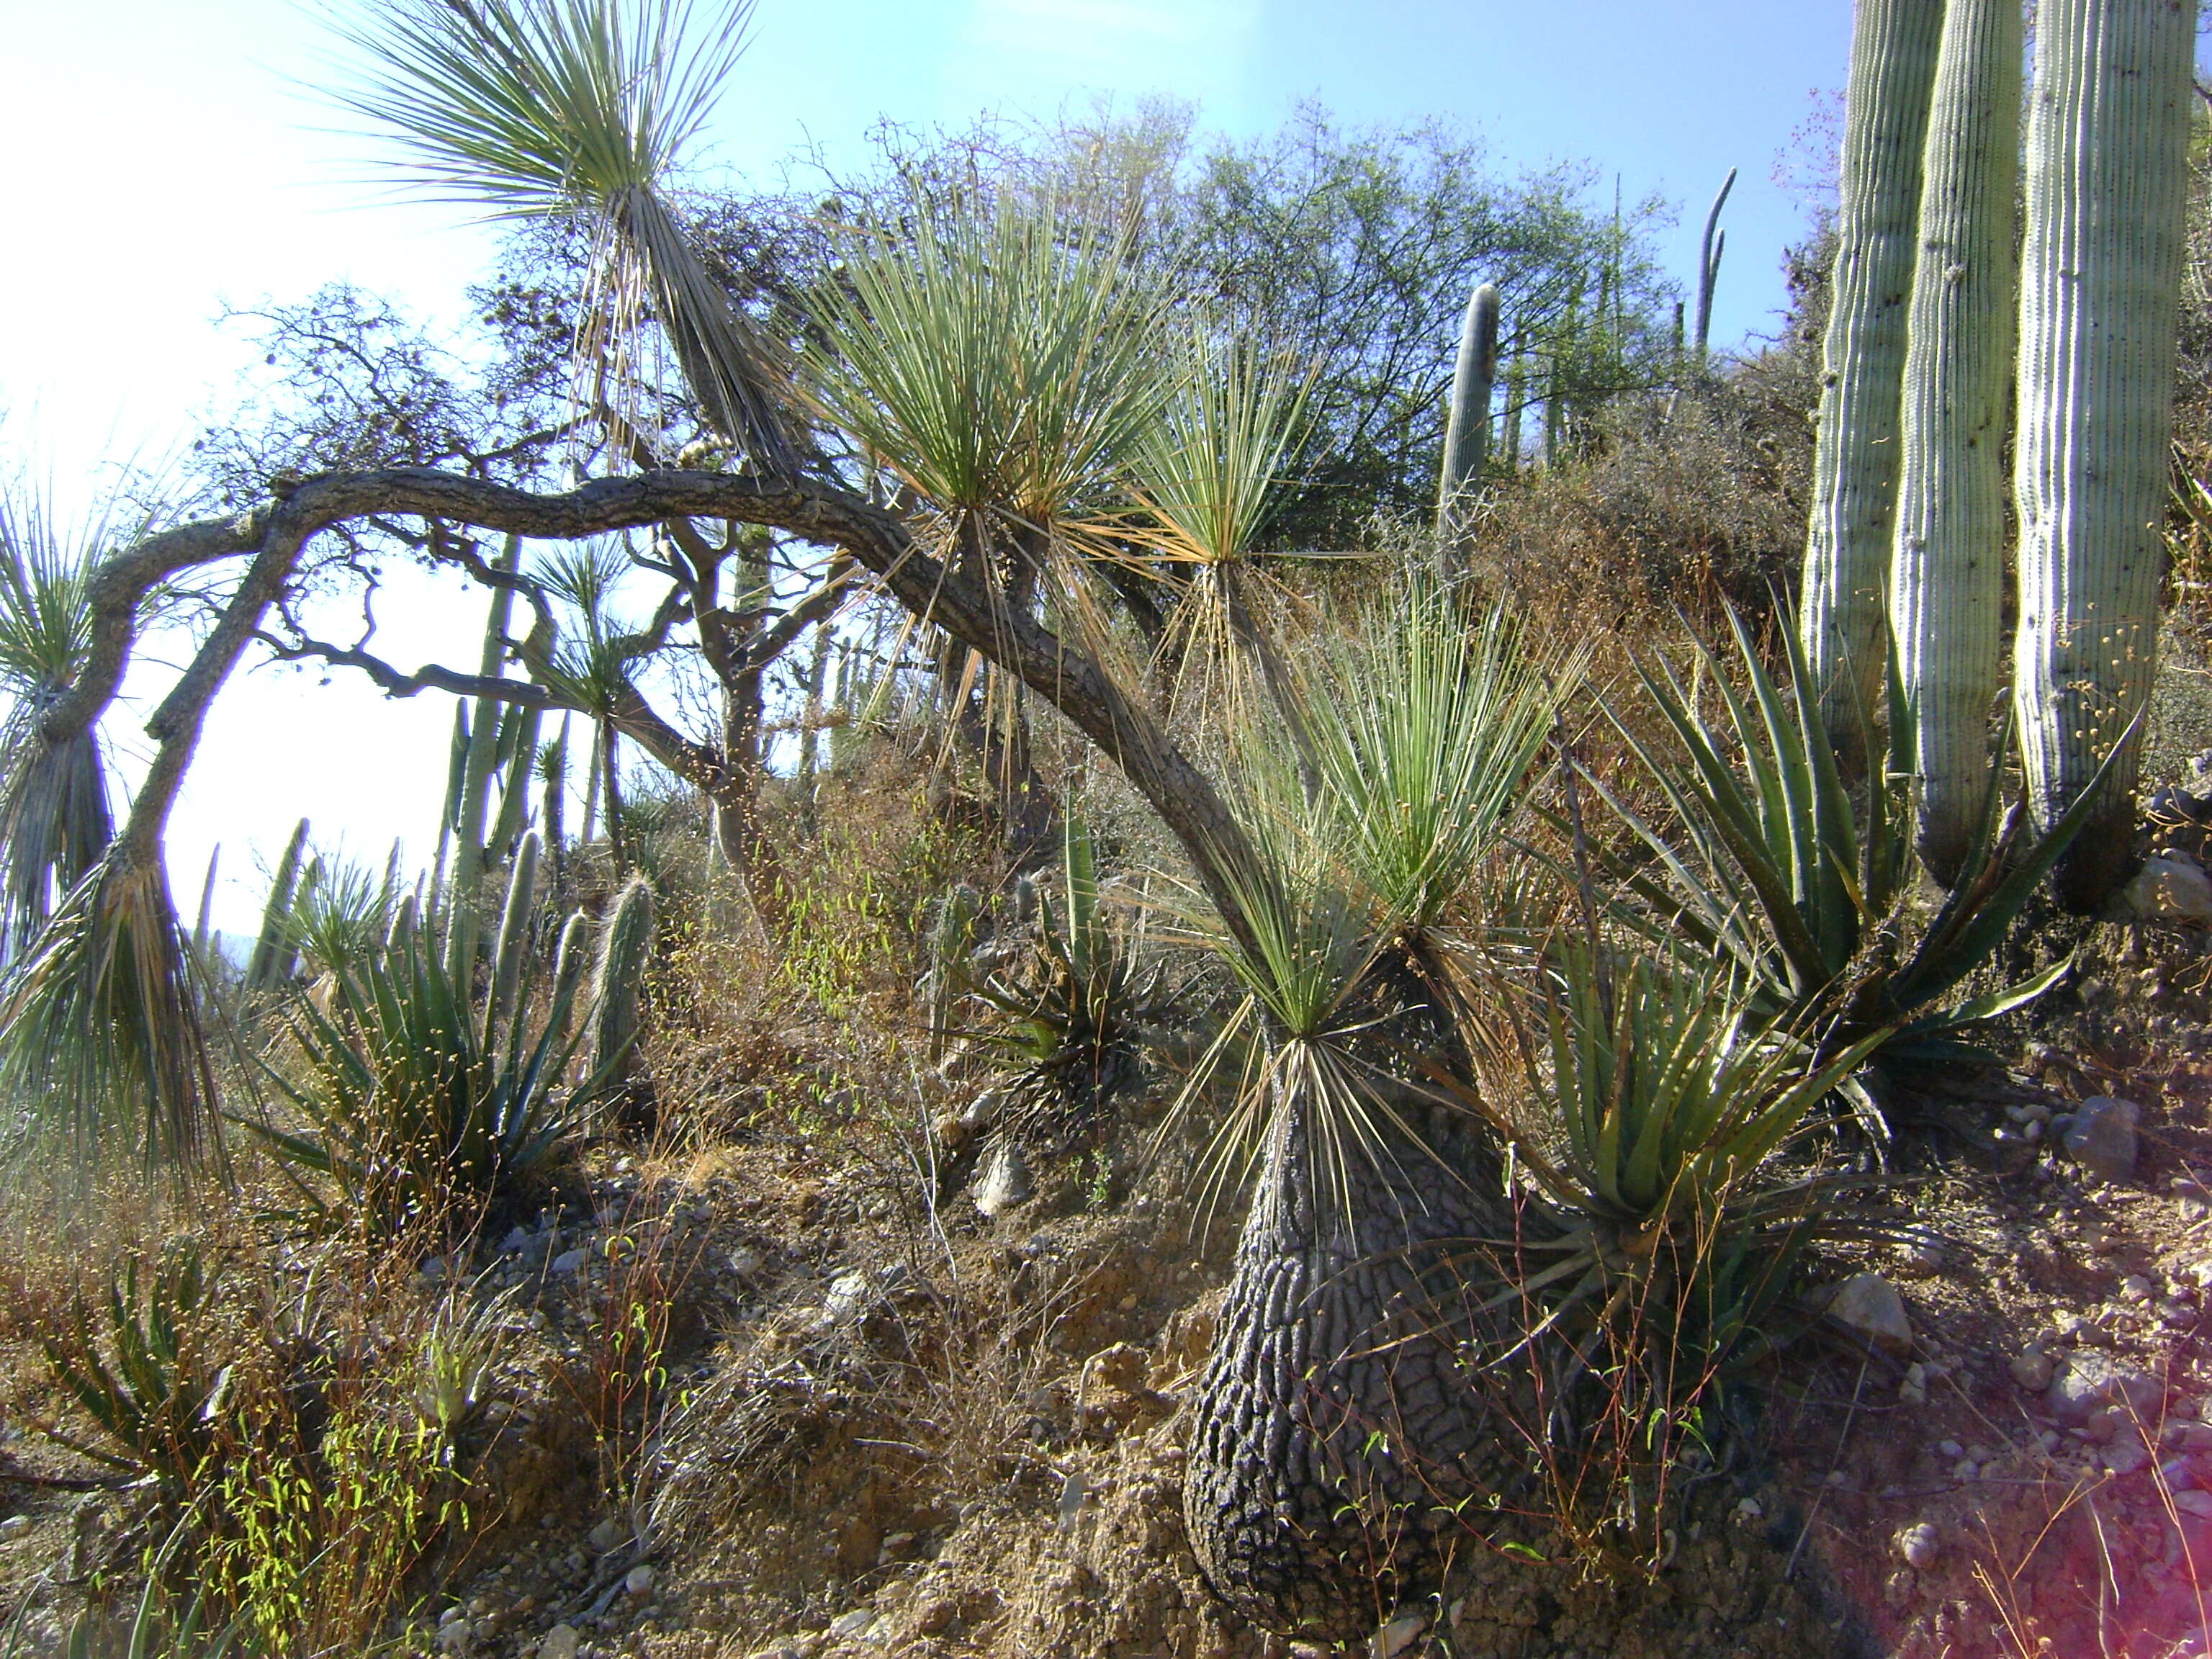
[1467, 432]
[1946, 575]
[1847, 551]
[2101, 284]
[1710, 247]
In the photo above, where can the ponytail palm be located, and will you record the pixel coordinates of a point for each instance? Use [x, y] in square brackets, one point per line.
[1206, 474]
[561, 108]
[1000, 362]
[55, 821]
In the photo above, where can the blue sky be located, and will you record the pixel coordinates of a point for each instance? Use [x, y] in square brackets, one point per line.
[170, 159]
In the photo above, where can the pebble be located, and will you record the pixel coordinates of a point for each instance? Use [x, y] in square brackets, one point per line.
[568, 1263]
[14, 1526]
[856, 1625]
[1394, 1637]
[1920, 1544]
[1868, 1305]
[561, 1642]
[638, 1581]
[2198, 1503]
[1950, 1448]
[454, 1635]
[606, 1535]
[2135, 1288]
[2103, 1138]
[2031, 1368]
[2179, 1474]
[1913, 1390]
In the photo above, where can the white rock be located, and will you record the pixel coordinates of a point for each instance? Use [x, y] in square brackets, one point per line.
[1005, 1182]
[1394, 1637]
[454, 1635]
[561, 1642]
[638, 1581]
[2170, 889]
[854, 1627]
[1920, 1544]
[2031, 1368]
[1868, 1305]
[2102, 1137]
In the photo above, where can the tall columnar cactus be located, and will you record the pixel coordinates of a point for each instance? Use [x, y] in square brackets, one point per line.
[625, 942]
[1847, 552]
[1711, 246]
[272, 951]
[468, 811]
[512, 947]
[1946, 576]
[570, 958]
[1467, 431]
[2100, 282]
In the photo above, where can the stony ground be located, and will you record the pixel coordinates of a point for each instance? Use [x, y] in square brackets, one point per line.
[931, 1403]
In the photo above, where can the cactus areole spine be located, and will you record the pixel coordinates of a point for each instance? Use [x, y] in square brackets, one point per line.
[2100, 281]
[1855, 466]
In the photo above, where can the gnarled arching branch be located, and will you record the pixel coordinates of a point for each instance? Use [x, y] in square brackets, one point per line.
[1067, 677]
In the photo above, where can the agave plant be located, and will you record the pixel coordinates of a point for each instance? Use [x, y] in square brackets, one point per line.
[1768, 860]
[148, 1380]
[414, 1105]
[1660, 1092]
[554, 108]
[1069, 1023]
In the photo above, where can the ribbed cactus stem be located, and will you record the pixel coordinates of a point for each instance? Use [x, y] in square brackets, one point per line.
[2100, 284]
[400, 937]
[1946, 577]
[625, 942]
[201, 935]
[1711, 246]
[1854, 464]
[478, 762]
[1467, 429]
[271, 948]
[571, 957]
[512, 947]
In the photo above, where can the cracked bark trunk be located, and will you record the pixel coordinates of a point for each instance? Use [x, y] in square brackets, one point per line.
[1340, 1436]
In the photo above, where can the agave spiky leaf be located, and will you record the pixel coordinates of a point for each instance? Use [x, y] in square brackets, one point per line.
[539, 108]
[1768, 860]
